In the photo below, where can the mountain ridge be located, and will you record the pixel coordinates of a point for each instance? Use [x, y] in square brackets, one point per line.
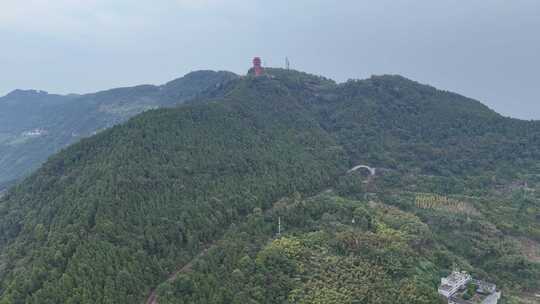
[193, 74]
[68, 118]
[109, 218]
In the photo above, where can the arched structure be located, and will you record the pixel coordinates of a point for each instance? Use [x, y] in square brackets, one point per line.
[370, 169]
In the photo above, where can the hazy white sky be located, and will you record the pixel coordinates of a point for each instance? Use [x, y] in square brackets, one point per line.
[485, 49]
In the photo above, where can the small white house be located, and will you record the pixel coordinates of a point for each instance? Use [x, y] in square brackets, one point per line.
[35, 132]
[485, 287]
[454, 282]
[452, 288]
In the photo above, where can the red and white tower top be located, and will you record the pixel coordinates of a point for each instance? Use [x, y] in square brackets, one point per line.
[257, 66]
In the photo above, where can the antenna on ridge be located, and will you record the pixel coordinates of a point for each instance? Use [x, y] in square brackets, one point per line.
[287, 63]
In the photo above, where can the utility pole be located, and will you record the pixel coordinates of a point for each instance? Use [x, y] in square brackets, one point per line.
[279, 226]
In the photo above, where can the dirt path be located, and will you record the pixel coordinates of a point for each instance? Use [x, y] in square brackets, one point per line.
[530, 248]
[153, 298]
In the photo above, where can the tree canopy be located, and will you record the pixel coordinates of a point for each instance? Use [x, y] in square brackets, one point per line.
[111, 217]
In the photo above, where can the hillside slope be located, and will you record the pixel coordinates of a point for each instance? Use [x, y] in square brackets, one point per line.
[108, 219]
[35, 124]
[145, 196]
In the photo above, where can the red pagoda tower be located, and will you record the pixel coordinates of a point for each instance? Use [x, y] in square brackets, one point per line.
[257, 66]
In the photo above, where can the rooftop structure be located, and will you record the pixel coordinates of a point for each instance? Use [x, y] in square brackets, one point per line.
[454, 288]
[484, 299]
[35, 132]
[485, 287]
[454, 282]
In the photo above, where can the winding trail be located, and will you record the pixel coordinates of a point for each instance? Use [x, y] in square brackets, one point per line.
[153, 298]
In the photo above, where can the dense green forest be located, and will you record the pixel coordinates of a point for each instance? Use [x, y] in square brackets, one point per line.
[200, 188]
[35, 124]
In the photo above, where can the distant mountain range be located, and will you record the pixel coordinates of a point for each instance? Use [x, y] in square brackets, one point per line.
[35, 124]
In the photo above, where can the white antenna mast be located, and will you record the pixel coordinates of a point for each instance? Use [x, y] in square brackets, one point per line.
[287, 63]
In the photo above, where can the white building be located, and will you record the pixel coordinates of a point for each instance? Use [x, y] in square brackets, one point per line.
[454, 282]
[492, 298]
[452, 288]
[35, 132]
[485, 287]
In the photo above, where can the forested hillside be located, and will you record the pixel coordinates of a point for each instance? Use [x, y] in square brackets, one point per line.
[197, 191]
[36, 124]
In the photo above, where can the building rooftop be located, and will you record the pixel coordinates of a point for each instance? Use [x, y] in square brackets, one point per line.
[485, 287]
[446, 287]
[454, 288]
[456, 277]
